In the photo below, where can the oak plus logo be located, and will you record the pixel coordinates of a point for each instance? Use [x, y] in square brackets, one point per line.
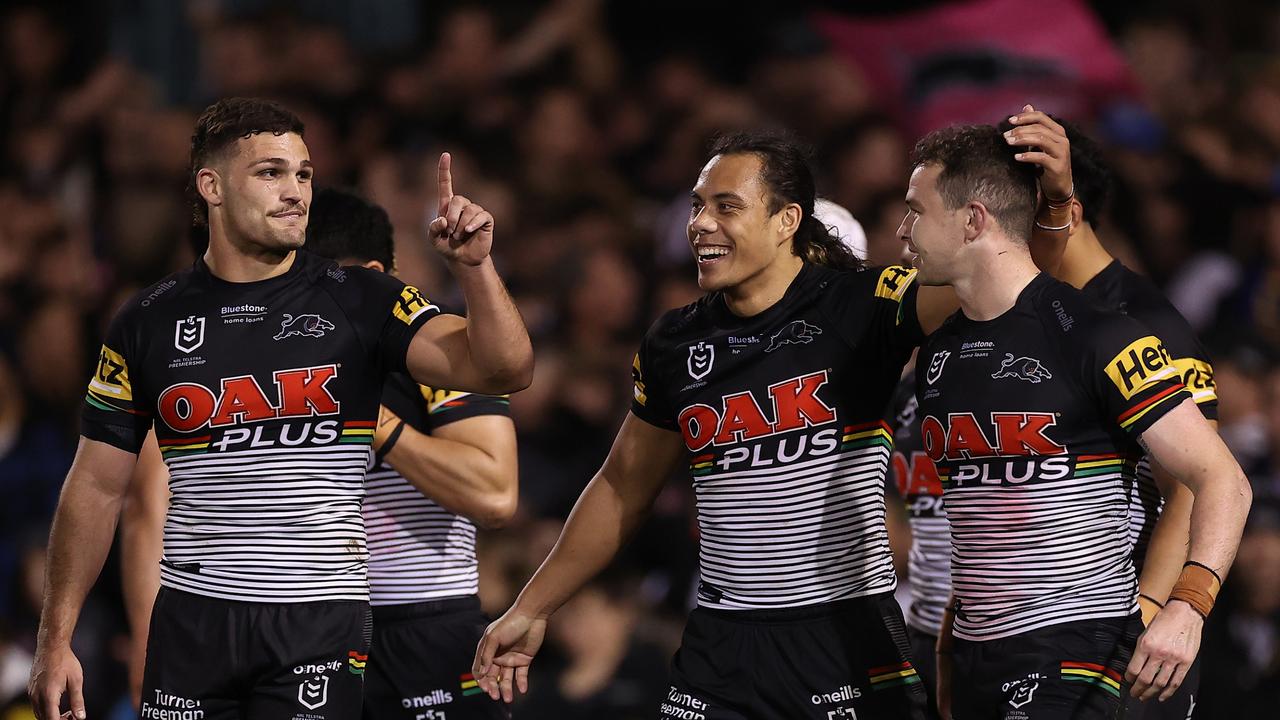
[701, 356]
[188, 334]
[300, 392]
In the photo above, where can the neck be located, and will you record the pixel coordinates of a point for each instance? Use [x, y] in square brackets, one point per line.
[759, 292]
[241, 261]
[1083, 258]
[994, 286]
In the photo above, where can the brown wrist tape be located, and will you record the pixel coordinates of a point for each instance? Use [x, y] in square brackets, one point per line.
[1198, 587]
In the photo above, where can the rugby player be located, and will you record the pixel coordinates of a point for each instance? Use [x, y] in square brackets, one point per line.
[1035, 408]
[771, 388]
[263, 365]
[1159, 506]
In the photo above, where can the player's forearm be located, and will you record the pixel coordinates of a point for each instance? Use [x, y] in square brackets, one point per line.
[461, 478]
[497, 339]
[1167, 551]
[1220, 507]
[83, 527]
[141, 547]
[601, 522]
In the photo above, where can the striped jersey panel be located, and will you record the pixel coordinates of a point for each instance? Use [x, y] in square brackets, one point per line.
[929, 567]
[268, 525]
[418, 550]
[801, 533]
[1042, 553]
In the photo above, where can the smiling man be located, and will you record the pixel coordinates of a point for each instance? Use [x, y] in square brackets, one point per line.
[260, 369]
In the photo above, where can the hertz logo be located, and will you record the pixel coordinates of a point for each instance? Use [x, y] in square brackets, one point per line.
[410, 305]
[894, 281]
[1142, 362]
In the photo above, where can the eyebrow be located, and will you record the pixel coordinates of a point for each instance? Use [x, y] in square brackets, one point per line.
[733, 197]
[277, 161]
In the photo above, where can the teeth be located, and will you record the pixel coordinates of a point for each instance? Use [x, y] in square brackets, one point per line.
[709, 252]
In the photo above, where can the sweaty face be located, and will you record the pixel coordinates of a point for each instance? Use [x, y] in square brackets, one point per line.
[730, 227]
[266, 183]
[932, 232]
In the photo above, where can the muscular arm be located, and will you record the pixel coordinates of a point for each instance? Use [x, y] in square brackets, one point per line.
[1185, 445]
[486, 352]
[1188, 448]
[141, 545]
[467, 466]
[609, 510]
[83, 527]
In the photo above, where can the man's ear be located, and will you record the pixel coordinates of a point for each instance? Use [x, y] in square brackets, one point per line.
[209, 185]
[789, 218]
[976, 221]
[375, 265]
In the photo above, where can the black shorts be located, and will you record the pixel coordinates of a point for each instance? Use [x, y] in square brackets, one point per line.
[212, 659]
[924, 647]
[836, 661]
[421, 663]
[1179, 707]
[1070, 671]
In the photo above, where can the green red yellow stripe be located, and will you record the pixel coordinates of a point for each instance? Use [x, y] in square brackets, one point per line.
[356, 662]
[890, 676]
[867, 435]
[469, 685]
[358, 431]
[1093, 674]
[1135, 413]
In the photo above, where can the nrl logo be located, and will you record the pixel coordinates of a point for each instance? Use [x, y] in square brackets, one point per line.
[188, 334]
[314, 692]
[935, 366]
[700, 358]
[310, 325]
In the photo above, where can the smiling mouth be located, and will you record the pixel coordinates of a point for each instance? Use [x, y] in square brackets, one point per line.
[708, 254]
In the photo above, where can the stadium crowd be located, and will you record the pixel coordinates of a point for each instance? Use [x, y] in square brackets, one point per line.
[581, 126]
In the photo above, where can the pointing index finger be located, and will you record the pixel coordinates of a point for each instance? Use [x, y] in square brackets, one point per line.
[444, 179]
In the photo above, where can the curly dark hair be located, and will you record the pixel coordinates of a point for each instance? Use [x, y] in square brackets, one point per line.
[224, 122]
[977, 164]
[785, 171]
[344, 226]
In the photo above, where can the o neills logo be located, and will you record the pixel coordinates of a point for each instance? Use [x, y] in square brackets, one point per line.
[848, 692]
[300, 392]
[795, 404]
[161, 289]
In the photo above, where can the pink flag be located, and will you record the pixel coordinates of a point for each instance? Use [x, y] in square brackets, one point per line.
[978, 61]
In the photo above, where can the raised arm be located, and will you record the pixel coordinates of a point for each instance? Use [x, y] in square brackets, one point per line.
[83, 528]
[489, 350]
[609, 510]
[1185, 445]
[141, 547]
[468, 466]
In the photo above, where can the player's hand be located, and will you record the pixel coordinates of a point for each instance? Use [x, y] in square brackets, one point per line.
[1165, 652]
[463, 232]
[55, 671]
[387, 422]
[1046, 145]
[943, 670]
[505, 653]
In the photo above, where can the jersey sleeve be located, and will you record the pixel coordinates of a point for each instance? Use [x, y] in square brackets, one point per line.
[878, 306]
[447, 406]
[1130, 371]
[390, 313]
[115, 411]
[647, 399]
[1192, 364]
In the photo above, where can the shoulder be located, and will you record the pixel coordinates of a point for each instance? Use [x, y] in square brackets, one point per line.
[873, 281]
[678, 323]
[154, 298]
[1144, 302]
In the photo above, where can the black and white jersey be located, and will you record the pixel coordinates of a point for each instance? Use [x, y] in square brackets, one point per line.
[916, 477]
[1032, 419]
[264, 397]
[1119, 288]
[418, 550]
[782, 416]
